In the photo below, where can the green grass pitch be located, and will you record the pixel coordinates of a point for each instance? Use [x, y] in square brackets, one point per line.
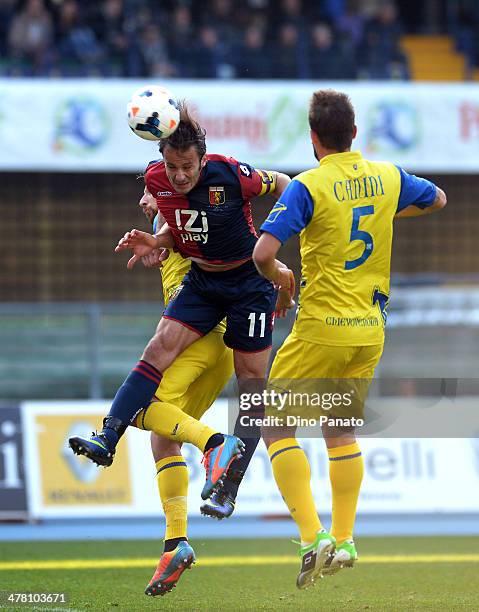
[394, 574]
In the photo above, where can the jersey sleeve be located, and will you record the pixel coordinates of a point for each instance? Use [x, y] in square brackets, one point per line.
[415, 191]
[291, 213]
[253, 182]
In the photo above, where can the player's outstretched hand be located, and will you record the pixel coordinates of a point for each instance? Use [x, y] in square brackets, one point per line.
[284, 280]
[283, 304]
[155, 258]
[141, 243]
[286, 285]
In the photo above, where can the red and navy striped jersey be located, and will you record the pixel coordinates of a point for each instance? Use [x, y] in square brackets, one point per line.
[212, 223]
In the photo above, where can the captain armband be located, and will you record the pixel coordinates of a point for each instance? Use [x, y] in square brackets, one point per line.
[268, 181]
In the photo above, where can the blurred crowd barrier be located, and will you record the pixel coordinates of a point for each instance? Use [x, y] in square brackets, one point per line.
[40, 478]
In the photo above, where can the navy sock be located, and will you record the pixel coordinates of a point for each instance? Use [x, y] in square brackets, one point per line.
[173, 543]
[134, 394]
[239, 466]
[214, 440]
[112, 436]
[250, 434]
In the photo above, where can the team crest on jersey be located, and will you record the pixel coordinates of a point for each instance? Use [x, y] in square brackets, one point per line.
[217, 195]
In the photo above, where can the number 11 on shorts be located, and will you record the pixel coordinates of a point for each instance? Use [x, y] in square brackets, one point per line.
[252, 324]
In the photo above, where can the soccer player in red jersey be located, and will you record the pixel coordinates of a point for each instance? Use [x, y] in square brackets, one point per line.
[205, 200]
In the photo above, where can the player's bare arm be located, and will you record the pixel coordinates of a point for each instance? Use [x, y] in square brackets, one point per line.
[281, 182]
[285, 299]
[264, 257]
[414, 211]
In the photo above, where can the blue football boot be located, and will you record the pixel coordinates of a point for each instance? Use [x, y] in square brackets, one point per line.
[220, 505]
[217, 461]
[96, 447]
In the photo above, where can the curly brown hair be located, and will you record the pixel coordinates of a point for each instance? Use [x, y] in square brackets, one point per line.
[188, 133]
[331, 118]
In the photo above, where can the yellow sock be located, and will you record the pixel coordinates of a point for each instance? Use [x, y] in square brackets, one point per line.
[293, 476]
[172, 480]
[171, 422]
[346, 468]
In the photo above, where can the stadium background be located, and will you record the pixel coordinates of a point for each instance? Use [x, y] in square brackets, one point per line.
[73, 319]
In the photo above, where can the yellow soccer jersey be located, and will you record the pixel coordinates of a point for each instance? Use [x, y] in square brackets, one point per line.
[344, 211]
[172, 272]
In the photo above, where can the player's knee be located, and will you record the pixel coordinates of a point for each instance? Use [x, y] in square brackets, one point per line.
[162, 448]
[271, 435]
[335, 437]
[267, 440]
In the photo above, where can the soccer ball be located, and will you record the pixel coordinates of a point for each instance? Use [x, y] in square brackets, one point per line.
[153, 113]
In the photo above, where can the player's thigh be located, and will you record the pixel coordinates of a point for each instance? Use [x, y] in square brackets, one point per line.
[358, 375]
[364, 361]
[311, 378]
[194, 309]
[299, 359]
[250, 320]
[185, 370]
[202, 393]
[170, 340]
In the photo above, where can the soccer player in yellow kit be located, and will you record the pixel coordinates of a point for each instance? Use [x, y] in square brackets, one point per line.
[192, 383]
[343, 210]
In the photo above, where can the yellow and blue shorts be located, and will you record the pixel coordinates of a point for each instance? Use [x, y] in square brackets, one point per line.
[318, 379]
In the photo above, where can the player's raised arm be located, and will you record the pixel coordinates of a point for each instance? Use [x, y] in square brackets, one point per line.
[418, 196]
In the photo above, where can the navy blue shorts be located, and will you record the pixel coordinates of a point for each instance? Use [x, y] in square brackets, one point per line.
[242, 295]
